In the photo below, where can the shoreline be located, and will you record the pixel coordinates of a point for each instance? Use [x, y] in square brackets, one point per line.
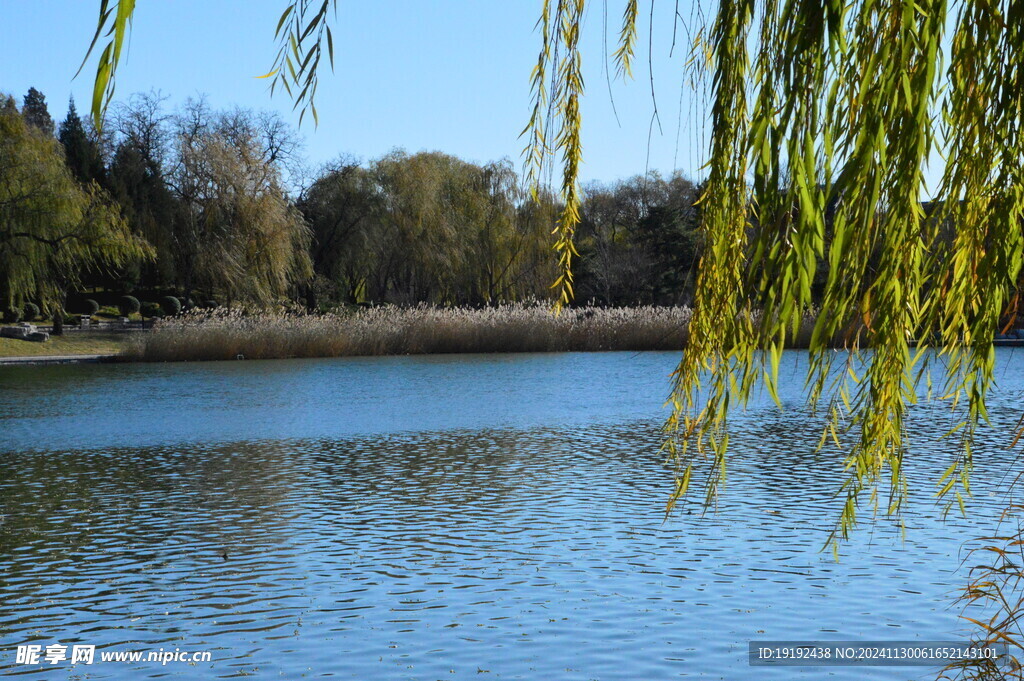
[128, 358]
[225, 335]
[31, 360]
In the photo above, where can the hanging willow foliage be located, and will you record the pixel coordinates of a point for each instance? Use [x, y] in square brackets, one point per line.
[561, 62]
[833, 109]
[824, 115]
[301, 31]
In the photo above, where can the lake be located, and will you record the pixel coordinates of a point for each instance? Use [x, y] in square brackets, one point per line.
[450, 517]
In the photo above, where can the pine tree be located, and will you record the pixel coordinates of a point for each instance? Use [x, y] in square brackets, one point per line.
[35, 112]
[81, 152]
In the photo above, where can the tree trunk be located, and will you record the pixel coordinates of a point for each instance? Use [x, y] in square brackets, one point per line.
[311, 298]
[58, 320]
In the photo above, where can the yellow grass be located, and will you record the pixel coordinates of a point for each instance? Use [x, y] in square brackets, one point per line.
[74, 343]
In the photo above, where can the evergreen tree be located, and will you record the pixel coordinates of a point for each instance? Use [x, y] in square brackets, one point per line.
[137, 184]
[35, 112]
[81, 152]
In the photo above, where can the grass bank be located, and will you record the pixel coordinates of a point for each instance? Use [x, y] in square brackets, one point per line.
[220, 335]
[75, 343]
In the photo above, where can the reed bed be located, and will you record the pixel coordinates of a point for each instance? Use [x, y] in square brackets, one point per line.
[519, 327]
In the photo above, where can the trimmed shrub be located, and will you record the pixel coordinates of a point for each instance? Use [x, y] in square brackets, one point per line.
[12, 315]
[31, 312]
[151, 309]
[128, 305]
[170, 305]
[89, 306]
[211, 304]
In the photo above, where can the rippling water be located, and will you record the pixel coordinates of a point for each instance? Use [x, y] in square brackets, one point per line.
[446, 518]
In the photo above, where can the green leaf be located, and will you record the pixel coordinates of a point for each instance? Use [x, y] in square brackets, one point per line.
[284, 17]
[330, 47]
[104, 16]
[100, 86]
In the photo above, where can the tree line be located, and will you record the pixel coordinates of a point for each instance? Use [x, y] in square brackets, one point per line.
[220, 206]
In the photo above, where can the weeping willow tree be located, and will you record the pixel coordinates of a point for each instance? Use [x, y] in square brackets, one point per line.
[823, 115]
[237, 234]
[52, 229]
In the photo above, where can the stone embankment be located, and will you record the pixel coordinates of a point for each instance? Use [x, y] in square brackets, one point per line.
[24, 331]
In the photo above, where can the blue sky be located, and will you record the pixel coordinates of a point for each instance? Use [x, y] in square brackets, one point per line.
[447, 75]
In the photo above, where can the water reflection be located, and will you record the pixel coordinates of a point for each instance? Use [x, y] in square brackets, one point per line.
[503, 552]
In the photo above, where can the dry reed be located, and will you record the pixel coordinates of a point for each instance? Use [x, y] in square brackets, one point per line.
[518, 327]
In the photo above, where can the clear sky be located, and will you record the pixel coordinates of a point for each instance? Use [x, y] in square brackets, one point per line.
[446, 75]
